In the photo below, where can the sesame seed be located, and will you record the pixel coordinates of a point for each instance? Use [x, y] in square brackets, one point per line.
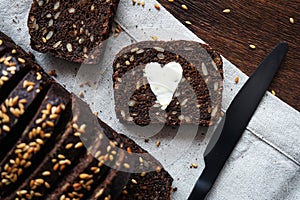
[236, 80]
[1, 42]
[252, 46]
[39, 181]
[155, 38]
[37, 194]
[22, 192]
[78, 145]
[60, 156]
[49, 123]
[39, 141]
[69, 146]
[133, 181]
[188, 22]
[171, 1]
[38, 76]
[226, 10]
[47, 185]
[194, 165]
[273, 92]
[46, 173]
[157, 6]
[157, 143]
[183, 6]
[55, 167]
[126, 165]
[6, 128]
[30, 88]
[69, 47]
[84, 176]
[44, 40]
[292, 21]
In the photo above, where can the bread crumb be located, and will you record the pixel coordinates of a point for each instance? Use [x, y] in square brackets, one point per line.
[52, 73]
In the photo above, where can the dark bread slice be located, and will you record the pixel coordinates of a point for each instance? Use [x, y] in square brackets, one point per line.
[73, 30]
[14, 64]
[135, 174]
[20, 106]
[37, 139]
[147, 185]
[95, 165]
[192, 102]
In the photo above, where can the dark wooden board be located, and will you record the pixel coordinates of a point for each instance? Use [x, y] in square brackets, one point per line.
[263, 23]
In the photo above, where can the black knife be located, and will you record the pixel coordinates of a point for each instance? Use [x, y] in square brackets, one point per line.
[236, 119]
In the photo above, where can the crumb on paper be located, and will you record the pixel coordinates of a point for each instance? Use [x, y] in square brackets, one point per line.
[52, 73]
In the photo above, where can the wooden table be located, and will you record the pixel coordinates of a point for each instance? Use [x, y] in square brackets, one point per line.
[262, 23]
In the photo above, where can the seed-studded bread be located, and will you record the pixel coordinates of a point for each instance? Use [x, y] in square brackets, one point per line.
[141, 176]
[197, 99]
[73, 30]
[95, 165]
[37, 139]
[57, 149]
[20, 106]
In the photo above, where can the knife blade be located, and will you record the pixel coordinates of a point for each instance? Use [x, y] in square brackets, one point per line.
[236, 119]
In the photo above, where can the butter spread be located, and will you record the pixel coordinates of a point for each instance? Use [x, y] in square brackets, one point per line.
[163, 80]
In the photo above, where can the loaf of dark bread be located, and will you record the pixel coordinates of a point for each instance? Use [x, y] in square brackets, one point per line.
[74, 30]
[58, 149]
[197, 99]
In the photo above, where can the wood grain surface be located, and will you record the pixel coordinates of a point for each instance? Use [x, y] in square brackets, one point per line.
[263, 23]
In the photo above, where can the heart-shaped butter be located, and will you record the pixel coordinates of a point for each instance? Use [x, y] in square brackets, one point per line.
[163, 80]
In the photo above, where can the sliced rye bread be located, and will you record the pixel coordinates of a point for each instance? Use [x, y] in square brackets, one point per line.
[136, 175]
[20, 106]
[72, 30]
[69, 153]
[94, 166]
[14, 64]
[36, 140]
[192, 102]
